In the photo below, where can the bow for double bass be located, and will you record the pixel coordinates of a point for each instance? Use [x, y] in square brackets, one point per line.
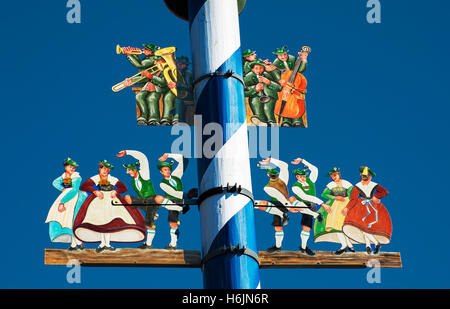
[291, 102]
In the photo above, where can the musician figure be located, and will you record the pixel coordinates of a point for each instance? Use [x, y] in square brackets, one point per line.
[248, 57]
[164, 87]
[262, 92]
[284, 62]
[185, 109]
[149, 110]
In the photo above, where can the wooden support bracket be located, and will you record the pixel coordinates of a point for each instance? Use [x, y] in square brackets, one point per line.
[126, 257]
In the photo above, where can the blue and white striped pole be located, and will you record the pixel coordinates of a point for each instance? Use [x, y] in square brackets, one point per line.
[227, 220]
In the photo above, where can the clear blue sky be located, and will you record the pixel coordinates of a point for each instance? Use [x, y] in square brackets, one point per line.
[377, 96]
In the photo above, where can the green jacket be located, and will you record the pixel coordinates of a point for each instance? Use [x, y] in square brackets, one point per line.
[281, 67]
[188, 77]
[147, 189]
[310, 190]
[247, 68]
[177, 187]
[251, 80]
[141, 65]
[160, 82]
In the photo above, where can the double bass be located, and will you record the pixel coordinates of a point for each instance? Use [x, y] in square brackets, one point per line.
[291, 99]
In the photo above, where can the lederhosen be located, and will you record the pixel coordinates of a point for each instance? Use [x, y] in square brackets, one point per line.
[174, 214]
[283, 189]
[146, 196]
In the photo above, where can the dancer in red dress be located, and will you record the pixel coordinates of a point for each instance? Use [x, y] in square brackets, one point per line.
[99, 221]
[367, 219]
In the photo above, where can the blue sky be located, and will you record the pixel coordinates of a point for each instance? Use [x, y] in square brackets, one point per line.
[377, 96]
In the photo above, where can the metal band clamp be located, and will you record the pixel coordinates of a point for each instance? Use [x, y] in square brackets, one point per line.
[226, 74]
[230, 250]
[237, 189]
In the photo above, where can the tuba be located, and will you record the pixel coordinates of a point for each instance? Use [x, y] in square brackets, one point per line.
[168, 54]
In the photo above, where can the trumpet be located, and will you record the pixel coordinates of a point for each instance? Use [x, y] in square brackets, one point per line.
[129, 49]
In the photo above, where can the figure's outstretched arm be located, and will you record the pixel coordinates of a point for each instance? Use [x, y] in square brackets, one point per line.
[284, 169]
[310, 198]
[179, 170]
[314, 171]
[143, 161]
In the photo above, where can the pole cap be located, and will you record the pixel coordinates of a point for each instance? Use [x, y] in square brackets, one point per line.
[180, 7]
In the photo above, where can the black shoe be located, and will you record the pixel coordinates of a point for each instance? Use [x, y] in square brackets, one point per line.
[153, 123]
[368, 250]
[274, 249]
[72, 248]
[174, 122]
[285, 219]
[298, 125]
[351, 249]
[141, 123]
[320, 218]
[185, 209]
[377, 249]
[341, 251]
[110, 248]
[100, 249]
[286, 124]
[145, 246]
[307, 251]
[170, 247]
[165, 122]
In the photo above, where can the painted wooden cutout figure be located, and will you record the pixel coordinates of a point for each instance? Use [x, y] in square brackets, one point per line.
[337, 193]
[99, 221]
[157, 77]
[148, 110]
[173, 188]
[143, 186]
[262, 92]
[63, 211]
[305, 193]
[368, 221]
[185, 108]
[278, 192]
[283, 96]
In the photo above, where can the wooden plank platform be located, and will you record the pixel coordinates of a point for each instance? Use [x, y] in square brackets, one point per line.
[126, 257]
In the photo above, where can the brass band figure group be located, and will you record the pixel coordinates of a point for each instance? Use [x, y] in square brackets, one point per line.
[161, 77]
[276, 88]
[349, 215]
[95, 211]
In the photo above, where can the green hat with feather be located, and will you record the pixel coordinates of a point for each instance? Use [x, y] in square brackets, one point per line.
[160, 165]
[133, 166]
[106, 164]
[364, 170]
[333, 171]
[69, 161]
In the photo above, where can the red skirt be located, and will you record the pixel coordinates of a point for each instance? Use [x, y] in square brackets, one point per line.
[370, 218]
[127, 227]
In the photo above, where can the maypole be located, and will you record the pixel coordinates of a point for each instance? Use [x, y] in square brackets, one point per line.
[229, 251]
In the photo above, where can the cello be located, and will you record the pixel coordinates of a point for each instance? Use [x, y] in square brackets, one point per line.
[291, 99]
